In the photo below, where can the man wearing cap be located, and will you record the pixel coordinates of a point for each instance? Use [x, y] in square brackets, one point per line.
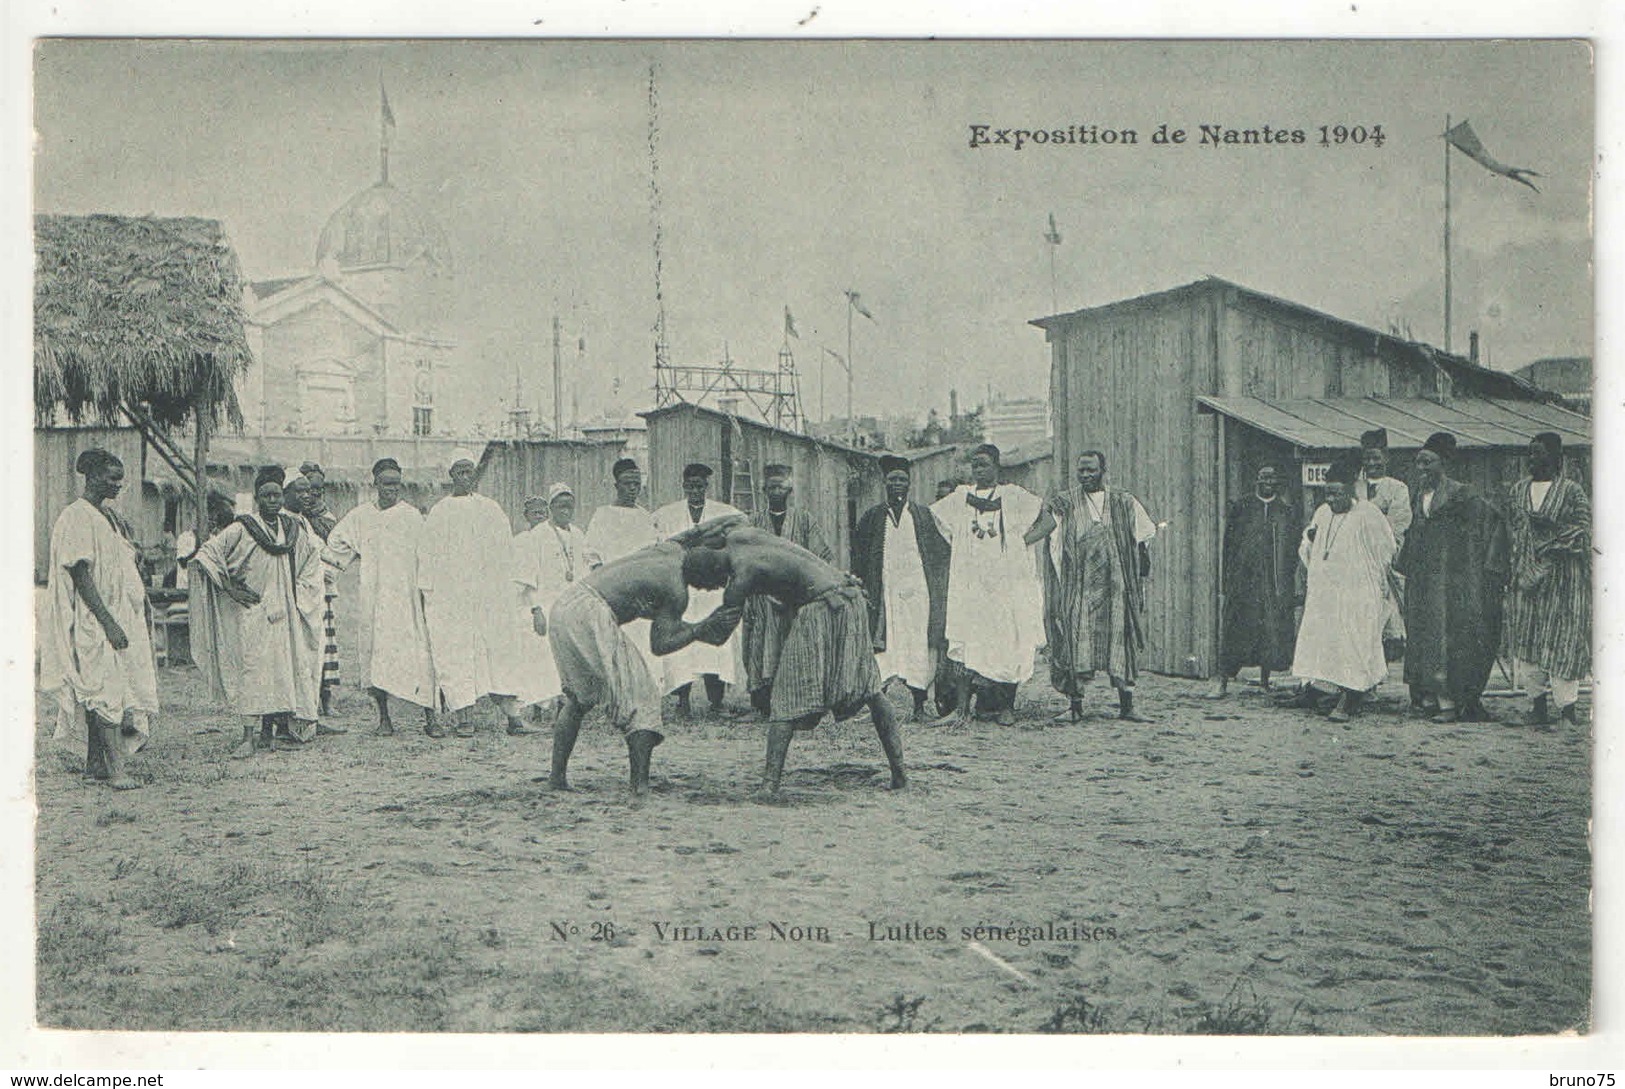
[321, 523]
[1455, 561]
[901, 557]
[995, 615]
[715, 664]
[392, 635]
[1260, 576]
[466, 572]
[767, 619]
[1551, 582]
[256, 617]
[548, 557]
[1346, 550]
[622, 528]
[1390, 496]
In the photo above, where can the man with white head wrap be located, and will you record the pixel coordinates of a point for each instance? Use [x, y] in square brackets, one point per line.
[466, 573]
[547, 558]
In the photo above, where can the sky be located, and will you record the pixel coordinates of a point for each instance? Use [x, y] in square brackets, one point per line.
[789, 172]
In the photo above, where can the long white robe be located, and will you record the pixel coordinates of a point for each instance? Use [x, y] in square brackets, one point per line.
[78, 666]
[620, 531]
[392, 634]
[907, 604]
[466, 571]
[264, 659]
[1340, 639]
[546, 560]
[995, 598]
[688, 664]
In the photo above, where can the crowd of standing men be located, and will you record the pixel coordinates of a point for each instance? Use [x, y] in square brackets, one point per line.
[959, 594]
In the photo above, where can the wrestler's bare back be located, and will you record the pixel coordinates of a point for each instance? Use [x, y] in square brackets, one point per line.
[762, 563]
[644, 585]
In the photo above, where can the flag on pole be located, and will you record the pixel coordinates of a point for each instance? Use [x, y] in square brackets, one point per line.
[1465, 140]
[852, 297]
[790, 324]
[386, 116]
[1053, 237]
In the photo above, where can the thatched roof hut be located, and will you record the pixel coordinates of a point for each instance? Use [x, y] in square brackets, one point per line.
[136, 312]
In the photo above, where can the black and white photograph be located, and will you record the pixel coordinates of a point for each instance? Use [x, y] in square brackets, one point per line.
[1050, 537]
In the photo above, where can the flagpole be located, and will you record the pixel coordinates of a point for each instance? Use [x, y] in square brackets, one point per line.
[1447, 234]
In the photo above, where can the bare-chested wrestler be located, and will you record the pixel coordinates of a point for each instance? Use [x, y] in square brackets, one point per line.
[827, 662]
[598, 663]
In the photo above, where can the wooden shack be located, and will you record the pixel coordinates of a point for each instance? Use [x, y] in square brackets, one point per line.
[511, 470]
[834, 481]
[1189, 390]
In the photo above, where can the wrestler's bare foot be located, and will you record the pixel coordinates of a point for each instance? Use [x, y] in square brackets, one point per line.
[898, 782]
[559, 784]
[384, 729]
[122, 781]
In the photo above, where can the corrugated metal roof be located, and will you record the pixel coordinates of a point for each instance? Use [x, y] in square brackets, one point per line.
[1332, 423]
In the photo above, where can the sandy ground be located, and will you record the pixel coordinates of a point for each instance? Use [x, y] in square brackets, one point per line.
[1228, 868]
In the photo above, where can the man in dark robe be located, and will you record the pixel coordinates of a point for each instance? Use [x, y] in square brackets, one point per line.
[1260, 569]
[1455, 561]
[902, 560]
[766, 619]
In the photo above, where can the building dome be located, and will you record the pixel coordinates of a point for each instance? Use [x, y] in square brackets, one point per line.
[379, 226]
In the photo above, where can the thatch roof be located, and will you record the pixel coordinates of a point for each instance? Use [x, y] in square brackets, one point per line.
[136, 311]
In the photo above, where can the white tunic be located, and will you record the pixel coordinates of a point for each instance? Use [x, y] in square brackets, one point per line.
[697, 658]
[466, 571]
[1340, 639]
[620, 531]
[77, 663]
[995, 599]
[547, 559]
[907, 606]
[392, 634]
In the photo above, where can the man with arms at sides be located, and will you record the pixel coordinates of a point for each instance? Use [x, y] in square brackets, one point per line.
[901, 557]
[827, 663]
[1551, 582]
[466, 573]
[257, 627]
[1260, 573]
[995, 615]
[1455, 561]
[622, 528]
[766, 620]
[598, 665]
[548, 557]
[714, 664]
[1346, 549]
[322, 522]
[392, 636]
[1098, 570]
[296, 499]
[95, 653]
[1390, 496]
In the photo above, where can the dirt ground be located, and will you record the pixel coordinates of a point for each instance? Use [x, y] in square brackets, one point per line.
[1228, 868]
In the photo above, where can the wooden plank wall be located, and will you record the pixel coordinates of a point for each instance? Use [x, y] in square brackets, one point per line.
[56, 485]
[514, 469]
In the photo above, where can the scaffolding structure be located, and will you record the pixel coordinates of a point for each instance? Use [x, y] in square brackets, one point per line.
[774, 395]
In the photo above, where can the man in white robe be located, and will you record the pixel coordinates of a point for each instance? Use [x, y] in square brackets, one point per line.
[621, 529]
[256, 618]
[548, 558]
[466, 573]
[1392, 498]
[719, 665]
[1347, 550]
[995, 620]
[392, 634]
[95, 654]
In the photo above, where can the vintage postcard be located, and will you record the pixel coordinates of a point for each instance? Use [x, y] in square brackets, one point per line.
[865, 537]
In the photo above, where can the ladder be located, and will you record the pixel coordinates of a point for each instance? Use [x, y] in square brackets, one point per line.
[743, 496]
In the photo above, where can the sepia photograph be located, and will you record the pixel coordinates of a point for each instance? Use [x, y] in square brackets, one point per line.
[660, 536]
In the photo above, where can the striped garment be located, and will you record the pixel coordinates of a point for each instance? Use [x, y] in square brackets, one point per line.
[827, 662]
[1549, 605]
[330, 634]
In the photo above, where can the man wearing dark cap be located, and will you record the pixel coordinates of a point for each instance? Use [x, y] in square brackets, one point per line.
[1550, 602]
[622, 528]
[901, 557]
[1260, 574]
[1347, 550]
[1390, 496]
[392, 637]
[766, 619]
[1454, 560]
[716, 665]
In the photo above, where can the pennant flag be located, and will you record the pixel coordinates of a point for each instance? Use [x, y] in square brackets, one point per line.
[386, 116]
[790, 324]
[1465, 140]
[852, 297]
[1054, 236]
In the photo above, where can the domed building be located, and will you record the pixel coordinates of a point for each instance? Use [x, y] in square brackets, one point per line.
[358, 346]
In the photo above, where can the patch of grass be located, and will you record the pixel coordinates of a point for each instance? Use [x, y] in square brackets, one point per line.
[1076, 1014]
[903, 1015]
[115, 816]
[313, 906]
[1235, 1015]
[78, 937]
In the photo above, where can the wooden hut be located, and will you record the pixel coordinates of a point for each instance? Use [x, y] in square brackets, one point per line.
[513, 469]
[834, 481]
[1189, 390]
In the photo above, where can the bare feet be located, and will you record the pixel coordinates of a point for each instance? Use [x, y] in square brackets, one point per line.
[324, 730]
[560, 784]
[898, 782]
[245, 750]
[122, 781]
[433, 729]
[384, 730]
